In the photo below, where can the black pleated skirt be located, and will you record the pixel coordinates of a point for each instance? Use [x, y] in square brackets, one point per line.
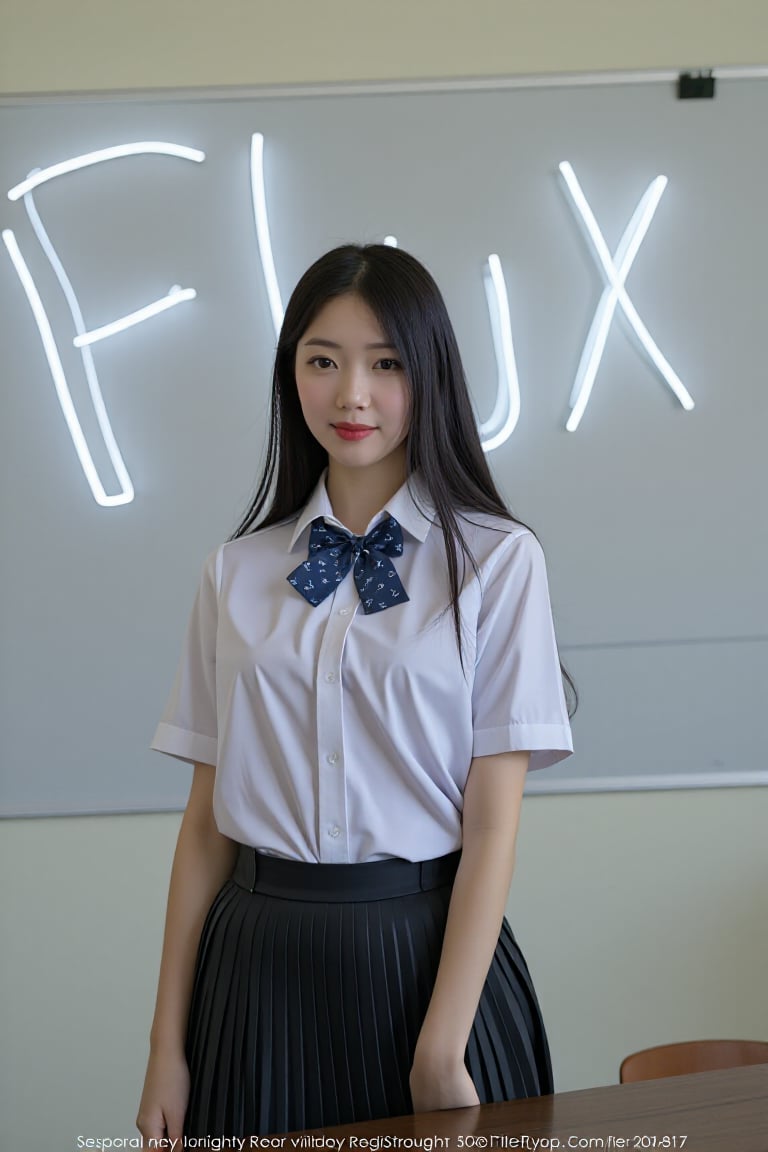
[311, 984]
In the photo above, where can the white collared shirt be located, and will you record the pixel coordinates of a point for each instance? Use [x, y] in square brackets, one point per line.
[341, 737]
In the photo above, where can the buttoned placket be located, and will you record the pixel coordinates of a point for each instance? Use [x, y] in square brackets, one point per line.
[333, 834]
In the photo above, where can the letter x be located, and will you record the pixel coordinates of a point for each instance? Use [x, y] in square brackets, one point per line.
[615, 270]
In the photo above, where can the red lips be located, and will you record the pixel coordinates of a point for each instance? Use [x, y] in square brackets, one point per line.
[355, 432]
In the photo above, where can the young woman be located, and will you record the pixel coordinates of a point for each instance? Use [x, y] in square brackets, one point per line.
[368, 674]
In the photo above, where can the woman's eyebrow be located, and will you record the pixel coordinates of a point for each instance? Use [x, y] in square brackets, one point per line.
[317, 342]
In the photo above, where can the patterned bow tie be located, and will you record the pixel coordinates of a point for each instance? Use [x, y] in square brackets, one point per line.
[331, 555]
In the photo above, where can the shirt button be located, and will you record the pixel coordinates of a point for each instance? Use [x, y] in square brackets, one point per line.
[330, 677]
[344, 611]
[334, 831]
[332, 757]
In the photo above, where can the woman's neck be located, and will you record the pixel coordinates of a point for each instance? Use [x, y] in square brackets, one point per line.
[357, 494]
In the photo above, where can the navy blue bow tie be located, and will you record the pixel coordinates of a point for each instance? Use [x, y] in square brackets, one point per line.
[333, 552]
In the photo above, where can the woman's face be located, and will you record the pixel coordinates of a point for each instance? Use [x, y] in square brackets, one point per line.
[349, 376]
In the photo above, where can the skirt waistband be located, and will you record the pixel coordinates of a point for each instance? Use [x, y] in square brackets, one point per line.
[376, 880]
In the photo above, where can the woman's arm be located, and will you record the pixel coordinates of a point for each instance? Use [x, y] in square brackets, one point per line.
[203, 860]
[492, 801]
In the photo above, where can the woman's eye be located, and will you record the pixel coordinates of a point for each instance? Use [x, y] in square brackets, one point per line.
[389, 365]
[321, 361]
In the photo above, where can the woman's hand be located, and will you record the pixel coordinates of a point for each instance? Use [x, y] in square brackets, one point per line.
[165, 1096]
[441, 1084]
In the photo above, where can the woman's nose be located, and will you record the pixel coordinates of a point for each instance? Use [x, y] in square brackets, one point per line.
[352, 389]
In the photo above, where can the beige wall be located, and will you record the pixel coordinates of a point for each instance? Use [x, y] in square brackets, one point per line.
[644, 916]
[97, 44]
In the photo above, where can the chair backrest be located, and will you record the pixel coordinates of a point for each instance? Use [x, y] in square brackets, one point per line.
[693, 1056]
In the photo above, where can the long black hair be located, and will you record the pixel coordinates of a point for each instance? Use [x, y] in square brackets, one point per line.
[443, 441]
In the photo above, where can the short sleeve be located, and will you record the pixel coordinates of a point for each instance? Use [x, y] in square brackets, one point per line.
[518, 703]
[188, 727]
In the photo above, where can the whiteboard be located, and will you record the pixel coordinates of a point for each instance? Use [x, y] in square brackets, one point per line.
[651, 517]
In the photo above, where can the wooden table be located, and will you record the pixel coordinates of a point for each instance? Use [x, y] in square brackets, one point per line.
[709, 1112]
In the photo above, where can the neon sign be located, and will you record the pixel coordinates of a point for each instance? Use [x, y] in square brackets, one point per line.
[84, 338]
[176, 295]
[494, 431]
[615, 272]
[259, 198]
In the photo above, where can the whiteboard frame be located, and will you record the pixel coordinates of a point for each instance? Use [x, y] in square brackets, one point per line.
[381, 87]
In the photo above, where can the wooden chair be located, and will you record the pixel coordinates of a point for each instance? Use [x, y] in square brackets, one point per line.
[692, 1056]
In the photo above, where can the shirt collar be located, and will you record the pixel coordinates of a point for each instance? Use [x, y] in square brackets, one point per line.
[402, 506]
